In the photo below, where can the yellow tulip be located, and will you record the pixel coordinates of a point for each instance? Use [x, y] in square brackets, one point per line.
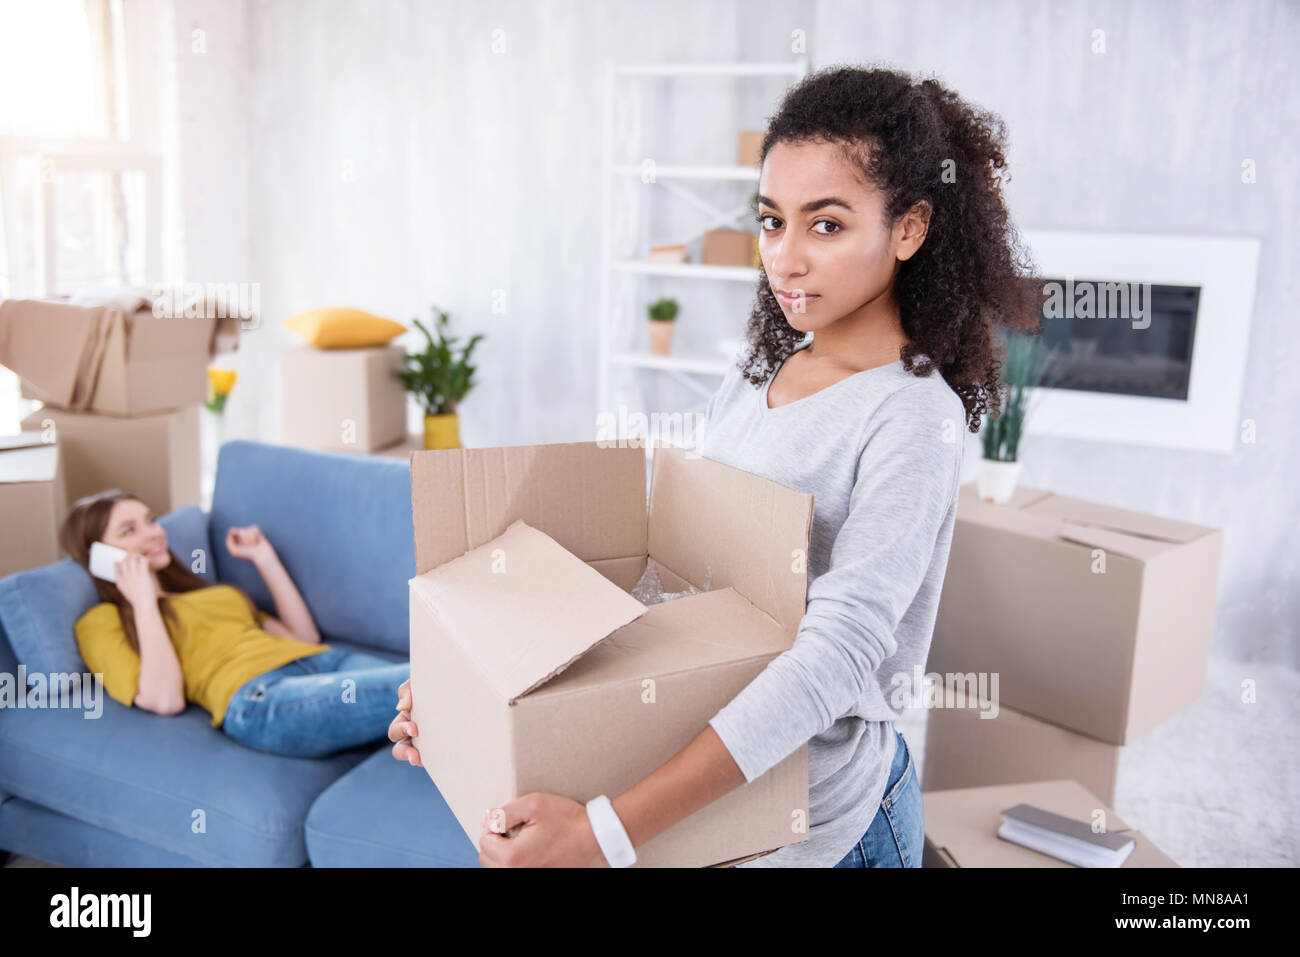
[222, 380]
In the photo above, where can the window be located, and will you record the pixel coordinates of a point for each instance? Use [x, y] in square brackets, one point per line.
[80, 183]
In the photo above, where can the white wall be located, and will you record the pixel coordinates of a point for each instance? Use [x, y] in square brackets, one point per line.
[382, 155]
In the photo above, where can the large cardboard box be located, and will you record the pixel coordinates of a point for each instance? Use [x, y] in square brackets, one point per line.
[31, 501]
[341, 399]
[961, 825]
[1096, 618]
[101, 359]
[966, 748]
[534, 669]
[154, 456]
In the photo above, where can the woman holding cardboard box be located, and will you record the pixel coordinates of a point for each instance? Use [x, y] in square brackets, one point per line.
[883, 232]
[162, 636]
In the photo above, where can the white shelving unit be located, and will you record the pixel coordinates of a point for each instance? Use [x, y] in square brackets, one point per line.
[622, 305]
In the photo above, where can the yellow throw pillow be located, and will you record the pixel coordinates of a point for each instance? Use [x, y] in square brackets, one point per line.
[343, 328]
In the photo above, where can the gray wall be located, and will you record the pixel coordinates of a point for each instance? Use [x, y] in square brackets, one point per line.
[381, 154]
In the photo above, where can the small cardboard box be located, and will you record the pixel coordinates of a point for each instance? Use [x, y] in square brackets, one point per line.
[727, 247]
[534, 669]
[31, 501]
[963, 749]
[1096, 618]
[342, 399]
[100, 359]
[961, 825]
[154, 456]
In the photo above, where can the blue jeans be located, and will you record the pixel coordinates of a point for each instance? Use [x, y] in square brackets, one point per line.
[312, 707]
[896, 836]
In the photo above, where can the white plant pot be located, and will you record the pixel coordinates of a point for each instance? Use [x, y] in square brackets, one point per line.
[997, 480]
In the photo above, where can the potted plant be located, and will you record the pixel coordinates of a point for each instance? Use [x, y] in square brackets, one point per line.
[1026, 364]
[439, 380]
[662, 315]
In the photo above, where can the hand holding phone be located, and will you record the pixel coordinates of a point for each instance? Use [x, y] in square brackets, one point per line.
[130, 572]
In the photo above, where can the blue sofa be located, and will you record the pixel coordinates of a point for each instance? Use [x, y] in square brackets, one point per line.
[132, 788]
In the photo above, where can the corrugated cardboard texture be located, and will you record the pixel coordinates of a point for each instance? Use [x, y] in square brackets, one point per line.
[624, 704]
[963, 750]
[154, 456]
[751, 532]
[523, 578]
[1109, 655]
[655, 684]
[591, 500]
[961, 825]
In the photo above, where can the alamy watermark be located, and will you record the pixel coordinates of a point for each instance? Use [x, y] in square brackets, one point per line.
[209, 300]
[917, 689]
[1086, 299]
[58, 689]
[639, 430]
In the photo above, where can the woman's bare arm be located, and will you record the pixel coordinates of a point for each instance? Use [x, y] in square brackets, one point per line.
[289, 606]
[693, 778]
[161, 687]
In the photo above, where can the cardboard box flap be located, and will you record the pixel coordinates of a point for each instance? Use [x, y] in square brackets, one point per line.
[1122, 520]
[715, 526]
[589, 499]
[55, 347]
[523, 575]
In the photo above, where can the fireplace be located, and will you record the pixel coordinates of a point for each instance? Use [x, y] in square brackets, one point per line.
[1151, 334]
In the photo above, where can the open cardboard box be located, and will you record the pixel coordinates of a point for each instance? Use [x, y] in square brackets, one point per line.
[1107, 653]
[534, 669]
[100, 359]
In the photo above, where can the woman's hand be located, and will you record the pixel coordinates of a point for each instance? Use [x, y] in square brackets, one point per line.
[403, 729]
[249, 542]
[539, 830]
[135, 580]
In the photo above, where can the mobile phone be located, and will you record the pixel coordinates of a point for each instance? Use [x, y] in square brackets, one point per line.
[102, 557]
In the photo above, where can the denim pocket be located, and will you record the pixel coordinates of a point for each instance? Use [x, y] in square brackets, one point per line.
[904, 808]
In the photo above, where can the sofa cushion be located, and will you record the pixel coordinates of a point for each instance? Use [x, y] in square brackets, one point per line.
[341, 524]
[173, 782]
[39, 607]
[385, 813]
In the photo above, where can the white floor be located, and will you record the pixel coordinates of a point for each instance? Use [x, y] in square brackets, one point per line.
[1216, 786]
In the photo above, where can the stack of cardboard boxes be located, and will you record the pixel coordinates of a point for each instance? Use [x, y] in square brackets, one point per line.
[121, 390]
[1092, 624]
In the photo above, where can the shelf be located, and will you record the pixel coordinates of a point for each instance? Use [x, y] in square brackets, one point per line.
[687, 270]
[669, 171]
[699, 364]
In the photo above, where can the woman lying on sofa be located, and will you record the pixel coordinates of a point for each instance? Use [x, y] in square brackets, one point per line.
[163, 637]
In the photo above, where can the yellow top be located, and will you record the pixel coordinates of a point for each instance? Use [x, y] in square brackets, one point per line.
[218, 643]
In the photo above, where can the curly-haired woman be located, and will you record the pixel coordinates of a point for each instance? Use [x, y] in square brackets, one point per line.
[883, 233]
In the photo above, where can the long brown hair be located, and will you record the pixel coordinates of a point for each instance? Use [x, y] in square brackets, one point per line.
[85, 524]
[971, 275]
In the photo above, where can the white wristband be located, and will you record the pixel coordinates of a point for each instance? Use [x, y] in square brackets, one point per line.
[610, 835]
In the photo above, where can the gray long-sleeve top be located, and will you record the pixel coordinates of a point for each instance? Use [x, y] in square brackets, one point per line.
[881, 453]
